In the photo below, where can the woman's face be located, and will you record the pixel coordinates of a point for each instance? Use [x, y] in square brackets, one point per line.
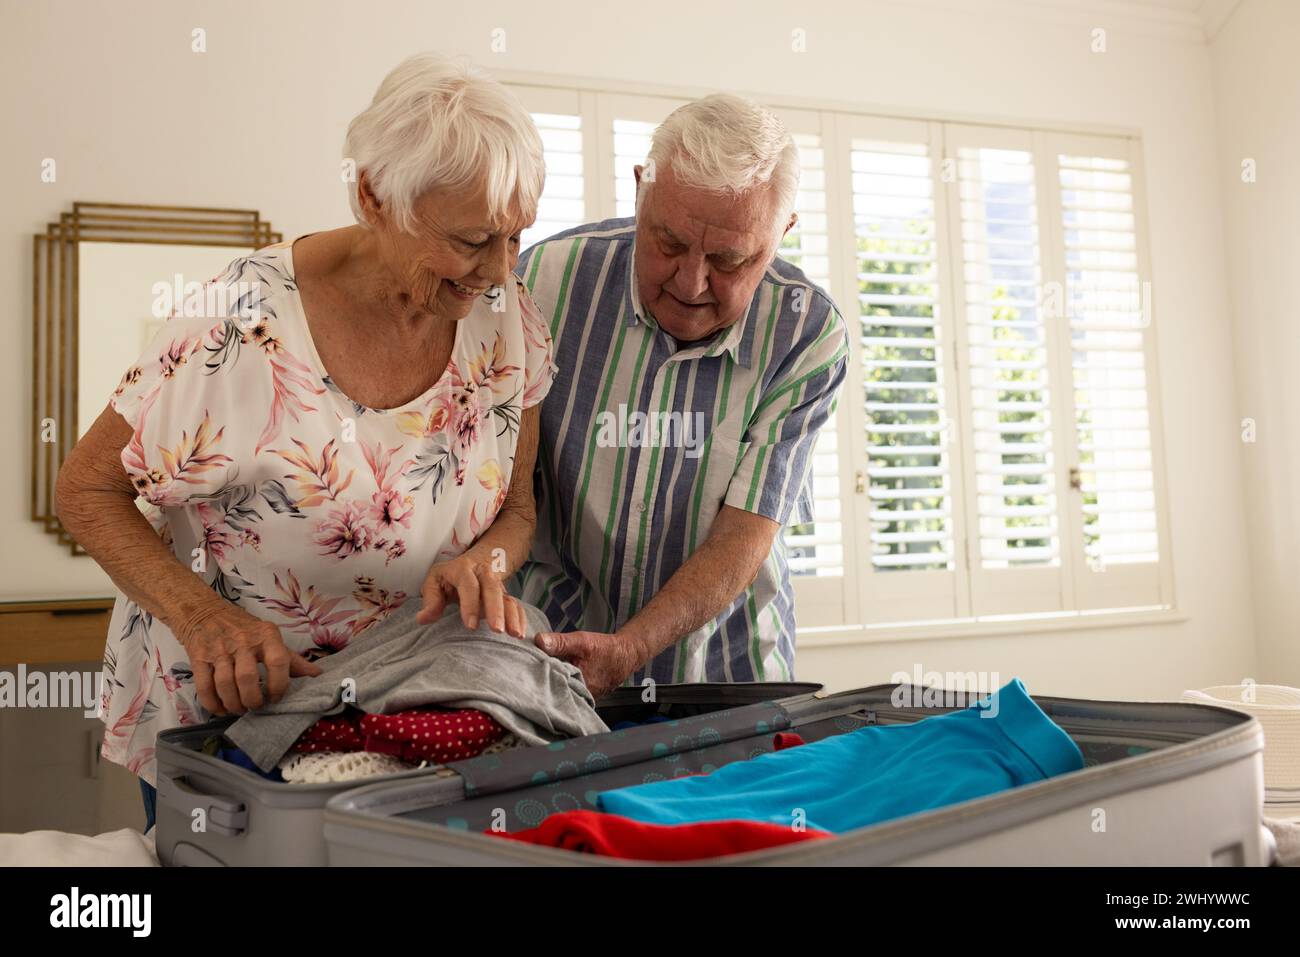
[456, 254]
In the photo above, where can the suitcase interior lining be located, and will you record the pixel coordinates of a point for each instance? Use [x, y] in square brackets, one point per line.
[1101, 740]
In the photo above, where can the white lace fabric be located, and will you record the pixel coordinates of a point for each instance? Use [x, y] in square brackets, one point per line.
[327, 767]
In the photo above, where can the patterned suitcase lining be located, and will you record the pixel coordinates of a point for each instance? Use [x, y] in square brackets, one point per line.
[528, 786]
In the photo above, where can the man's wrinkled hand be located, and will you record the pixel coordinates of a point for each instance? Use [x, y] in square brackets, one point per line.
[605, 660]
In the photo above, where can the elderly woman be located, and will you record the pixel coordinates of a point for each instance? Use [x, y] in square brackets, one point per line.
[359, 426]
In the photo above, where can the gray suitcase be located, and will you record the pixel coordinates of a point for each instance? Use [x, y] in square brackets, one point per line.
[247, 820]
[1163, 784]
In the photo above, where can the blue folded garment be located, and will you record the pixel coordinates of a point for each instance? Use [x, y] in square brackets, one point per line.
[872, 774]
[236, 756]
[624, 725]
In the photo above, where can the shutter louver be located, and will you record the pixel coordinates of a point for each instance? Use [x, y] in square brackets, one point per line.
[631, 146]
[903, 373]
[1011, 422]
[1108, 316]
[562, 204]
[816, 548]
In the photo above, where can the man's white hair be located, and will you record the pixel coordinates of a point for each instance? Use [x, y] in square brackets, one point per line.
[437, 121]
[728, 144]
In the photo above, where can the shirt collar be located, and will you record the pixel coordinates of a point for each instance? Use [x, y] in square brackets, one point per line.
[731, 340]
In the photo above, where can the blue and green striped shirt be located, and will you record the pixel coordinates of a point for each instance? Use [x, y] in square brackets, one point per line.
[643, 442]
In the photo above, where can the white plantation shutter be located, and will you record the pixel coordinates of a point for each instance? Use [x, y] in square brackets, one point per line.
[1013, 466]
[562, 118]
[997, 449]
[627, 123]
[1105, 307]
[1116, 530]
[905, 509]
[1011, 419]
[563, 202]
[631, 145]
[897, 255]
[816, 548]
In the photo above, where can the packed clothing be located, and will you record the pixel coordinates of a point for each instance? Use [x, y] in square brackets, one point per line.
[829, 787]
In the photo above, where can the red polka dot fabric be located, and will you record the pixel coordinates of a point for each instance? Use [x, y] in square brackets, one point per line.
[423, 734]
[342, 733]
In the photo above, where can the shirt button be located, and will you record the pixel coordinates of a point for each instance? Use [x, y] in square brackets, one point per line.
[639, 506]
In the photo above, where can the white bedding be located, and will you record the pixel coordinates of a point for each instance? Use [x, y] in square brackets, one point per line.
[124, 848]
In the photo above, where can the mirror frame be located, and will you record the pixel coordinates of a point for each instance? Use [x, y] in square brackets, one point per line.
[55, 319]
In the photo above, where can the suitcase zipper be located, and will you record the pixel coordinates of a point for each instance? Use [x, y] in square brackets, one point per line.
[1107, 728]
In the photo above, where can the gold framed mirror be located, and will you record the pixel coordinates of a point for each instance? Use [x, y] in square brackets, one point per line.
[95, 274]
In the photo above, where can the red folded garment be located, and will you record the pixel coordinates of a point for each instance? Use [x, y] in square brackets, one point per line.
[438, 736]
[591, 832]
[339, 733]
[422, 734]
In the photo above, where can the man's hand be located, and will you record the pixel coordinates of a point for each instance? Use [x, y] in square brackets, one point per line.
[605, 660]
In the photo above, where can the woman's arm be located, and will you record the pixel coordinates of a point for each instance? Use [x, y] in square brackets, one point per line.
[512, 530]
[95, 500]
[475, 577]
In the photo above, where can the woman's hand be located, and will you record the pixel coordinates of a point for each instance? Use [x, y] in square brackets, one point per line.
[224, 647]
[477, 589]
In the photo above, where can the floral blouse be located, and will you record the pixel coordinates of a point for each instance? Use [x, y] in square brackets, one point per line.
[289, 499]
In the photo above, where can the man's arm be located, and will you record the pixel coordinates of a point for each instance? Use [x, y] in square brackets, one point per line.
[740, 538]
[720, 569]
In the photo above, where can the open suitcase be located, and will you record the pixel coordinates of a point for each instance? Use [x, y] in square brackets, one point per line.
[1163, 783]
[247, 820]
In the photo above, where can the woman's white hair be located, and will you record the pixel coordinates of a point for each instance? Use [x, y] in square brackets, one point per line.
[726, 143]
[437, 121]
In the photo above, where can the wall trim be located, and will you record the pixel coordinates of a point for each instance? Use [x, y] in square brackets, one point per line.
[1022, 626]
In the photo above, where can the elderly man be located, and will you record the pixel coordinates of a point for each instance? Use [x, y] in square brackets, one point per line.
[695, 370]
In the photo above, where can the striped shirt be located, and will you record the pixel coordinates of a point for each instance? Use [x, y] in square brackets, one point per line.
[642, 442]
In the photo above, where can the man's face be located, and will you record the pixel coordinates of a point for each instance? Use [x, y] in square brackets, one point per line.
[700, 255]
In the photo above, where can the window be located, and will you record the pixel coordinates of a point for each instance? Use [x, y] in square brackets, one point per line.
[816, 548]
[1009, 387]
[995, 451]
[1108, 313]
[566, 200]
[631, 145]
[897, 271]
[562, 205]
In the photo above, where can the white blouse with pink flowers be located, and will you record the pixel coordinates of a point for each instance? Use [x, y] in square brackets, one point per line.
[291, 500]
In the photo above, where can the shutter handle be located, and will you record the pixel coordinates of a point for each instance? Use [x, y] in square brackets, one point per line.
[1076, 479]
[860, 485]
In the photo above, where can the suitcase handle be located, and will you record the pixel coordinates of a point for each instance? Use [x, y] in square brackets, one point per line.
[224, 815]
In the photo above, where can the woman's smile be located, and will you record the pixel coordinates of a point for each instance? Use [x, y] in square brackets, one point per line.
[461, 291]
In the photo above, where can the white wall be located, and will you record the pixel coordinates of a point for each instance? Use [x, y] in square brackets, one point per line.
[1256, 73]
[113, 93]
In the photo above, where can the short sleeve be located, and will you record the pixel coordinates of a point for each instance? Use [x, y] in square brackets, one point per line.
[180, 399]
[771, 479]
[539, 361]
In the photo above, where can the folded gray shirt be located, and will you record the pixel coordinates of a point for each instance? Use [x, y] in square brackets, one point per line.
[398, 664]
